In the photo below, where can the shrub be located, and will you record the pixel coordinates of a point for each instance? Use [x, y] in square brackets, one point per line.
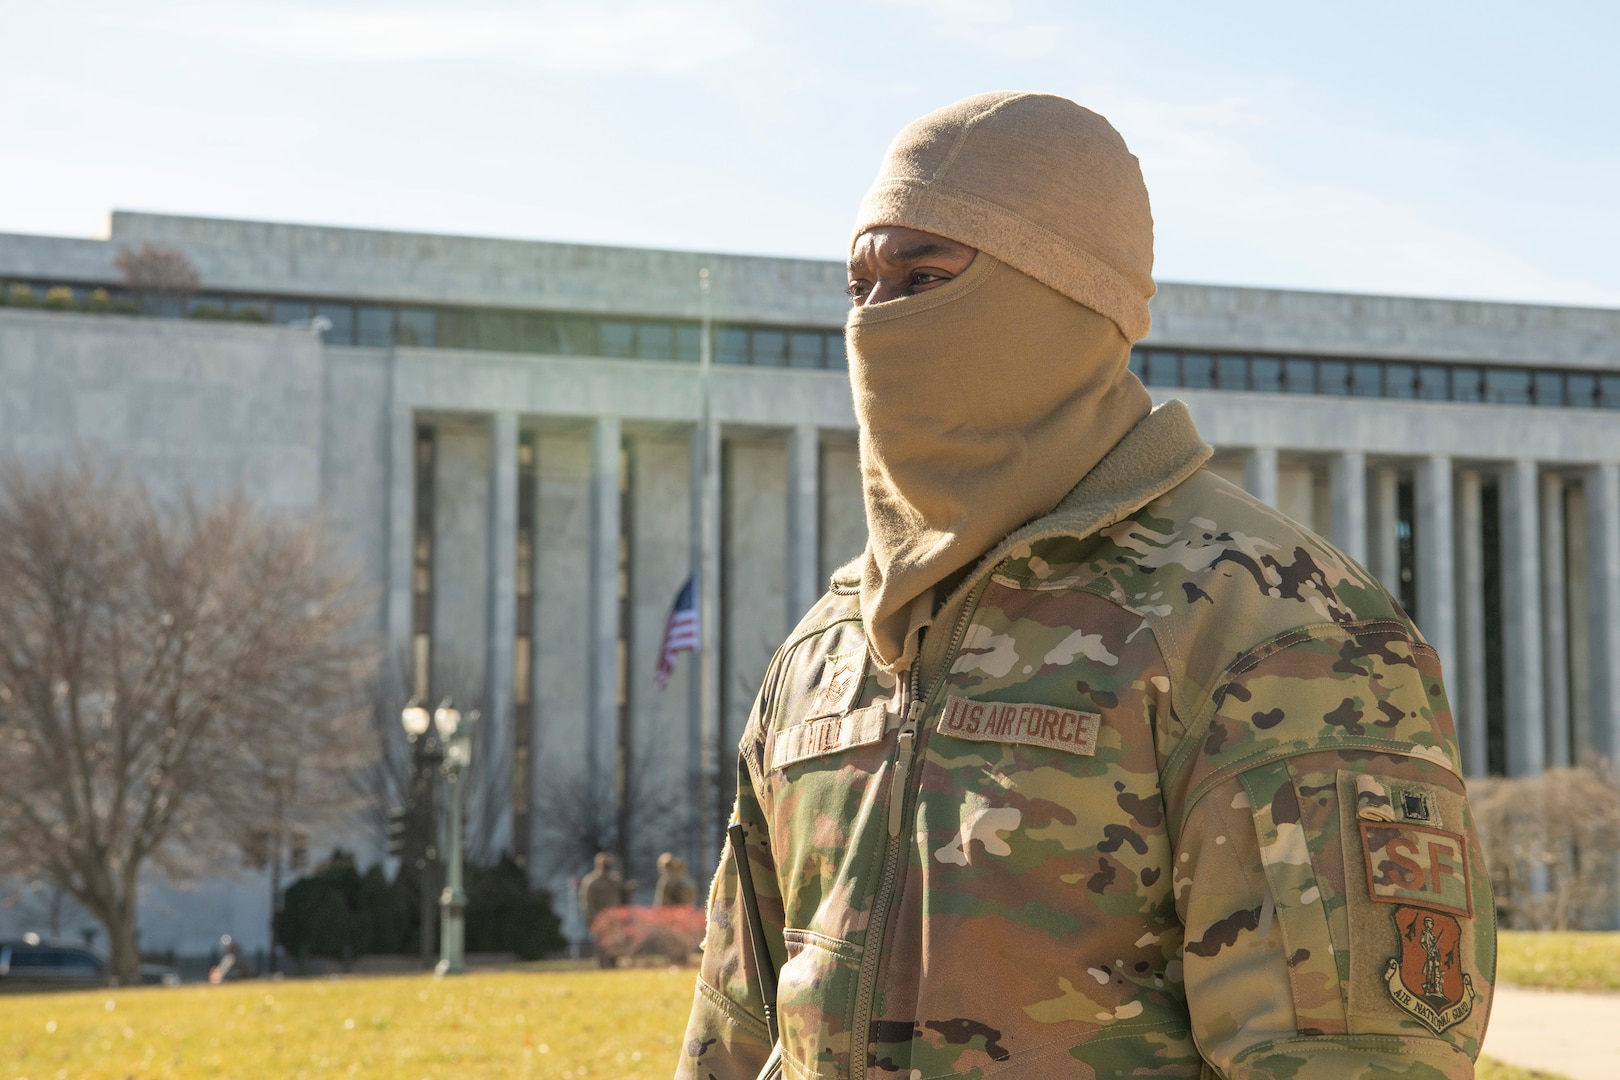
[506, 914]
[60, 298]
[20, 294]
[338, 912]
[673, 933]
[207, 311]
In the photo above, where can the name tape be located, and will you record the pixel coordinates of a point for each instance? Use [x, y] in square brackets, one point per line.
[1028, 723]
[821, 737]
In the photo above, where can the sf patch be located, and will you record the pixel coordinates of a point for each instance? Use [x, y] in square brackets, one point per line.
[1414, 864]
[1426, 979]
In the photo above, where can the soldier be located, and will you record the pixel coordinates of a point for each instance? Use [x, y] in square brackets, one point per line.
[675, 886]
[599, 890]
[1091, 764]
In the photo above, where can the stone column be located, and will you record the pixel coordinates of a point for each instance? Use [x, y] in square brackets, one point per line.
[401, 532]
[804, 584]
[1385, 549]
[1524, 715]
[1260, 474]
[498, 693]
[1435, 571]
[708, 816]
[1347, 476]
[607, 445]
[1603, 576]
[1467, 683]
[1554, 622]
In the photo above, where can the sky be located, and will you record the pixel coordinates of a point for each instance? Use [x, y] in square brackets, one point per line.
[1415, 148]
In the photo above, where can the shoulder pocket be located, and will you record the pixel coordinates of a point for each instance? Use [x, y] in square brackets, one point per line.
[1291, 848]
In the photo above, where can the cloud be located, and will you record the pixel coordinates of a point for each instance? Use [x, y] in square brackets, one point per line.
[658, 36]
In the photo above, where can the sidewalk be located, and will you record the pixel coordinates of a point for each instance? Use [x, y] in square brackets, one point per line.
[1575, 1035]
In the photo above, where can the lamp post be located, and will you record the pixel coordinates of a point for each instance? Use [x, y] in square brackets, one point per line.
[416, 821]
[455, 732]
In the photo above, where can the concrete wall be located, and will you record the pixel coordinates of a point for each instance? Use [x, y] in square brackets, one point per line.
[843, 519]
[206, 405]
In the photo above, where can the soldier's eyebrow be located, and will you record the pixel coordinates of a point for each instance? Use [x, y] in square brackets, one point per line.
[921, 251]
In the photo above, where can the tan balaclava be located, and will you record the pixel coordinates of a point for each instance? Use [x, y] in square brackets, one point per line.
[983, 401]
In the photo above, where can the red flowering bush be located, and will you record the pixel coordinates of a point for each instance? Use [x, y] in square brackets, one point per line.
[673, 933]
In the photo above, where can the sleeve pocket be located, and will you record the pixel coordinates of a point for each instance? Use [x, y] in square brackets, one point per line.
[1296, 895]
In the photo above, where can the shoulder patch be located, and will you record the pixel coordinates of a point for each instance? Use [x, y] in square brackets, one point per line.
[1427, 979]
[1051, 726]
[1414, 864]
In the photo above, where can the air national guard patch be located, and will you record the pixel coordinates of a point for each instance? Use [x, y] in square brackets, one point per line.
[1427, 979]
[1055, 728]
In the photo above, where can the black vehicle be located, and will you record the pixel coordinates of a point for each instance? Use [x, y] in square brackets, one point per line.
[34, 965]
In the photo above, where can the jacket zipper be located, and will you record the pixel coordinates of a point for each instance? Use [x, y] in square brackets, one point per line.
[912, 709]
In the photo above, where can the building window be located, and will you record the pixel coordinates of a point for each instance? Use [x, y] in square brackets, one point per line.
[1609, 391]
[341, 316]
[688, 343]
[655, 341]
[618, 339]
[1232, 372]
[1400, 381]
[375, 327]
[1299, 375]
[837, 360]
[770, 347]
[1366, 378]
[1548, 387]
[731, 345]
[422, 564]
[1197, 371]
[1467, 384]
[804, 349]
[1266, 374]
[288, 312]
[1333, 377]
[1163, 368]
[1433, 382]
[1507, 386]
[416, 326]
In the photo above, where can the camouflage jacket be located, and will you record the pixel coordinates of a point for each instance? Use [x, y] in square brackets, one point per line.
[1173, 791]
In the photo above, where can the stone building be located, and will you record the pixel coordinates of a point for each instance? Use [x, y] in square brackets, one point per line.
[509, 438]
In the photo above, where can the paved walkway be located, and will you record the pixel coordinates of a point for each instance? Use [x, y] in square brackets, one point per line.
[1574, 1035]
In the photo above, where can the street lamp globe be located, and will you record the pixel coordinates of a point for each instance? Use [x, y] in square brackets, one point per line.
[447, 718]
[415, 719]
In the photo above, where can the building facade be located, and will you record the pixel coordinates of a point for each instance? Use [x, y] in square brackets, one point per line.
[521, 449]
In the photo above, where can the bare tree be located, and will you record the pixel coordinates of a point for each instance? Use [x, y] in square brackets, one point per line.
[169, 681]
[1551, 841]
[572, 823]
[156, 270]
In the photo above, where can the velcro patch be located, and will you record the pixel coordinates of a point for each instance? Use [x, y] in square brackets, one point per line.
[1414, 864]
[821, 737]
[1427, 978]
[1029, 723]
[839, 684]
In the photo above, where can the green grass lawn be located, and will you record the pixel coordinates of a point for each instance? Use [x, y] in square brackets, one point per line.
[497, 1025]
[547, 1021]
[1572, 961]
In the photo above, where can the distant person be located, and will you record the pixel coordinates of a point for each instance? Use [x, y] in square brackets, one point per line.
[599, 890]
[675, 886]
[230, 964]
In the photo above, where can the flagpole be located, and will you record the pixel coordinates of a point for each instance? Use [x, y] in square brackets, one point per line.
[710, 814]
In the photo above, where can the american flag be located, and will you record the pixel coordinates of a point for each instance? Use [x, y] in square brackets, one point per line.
[680, 632]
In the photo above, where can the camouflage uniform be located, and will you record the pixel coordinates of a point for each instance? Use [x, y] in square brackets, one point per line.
[1172, 791]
